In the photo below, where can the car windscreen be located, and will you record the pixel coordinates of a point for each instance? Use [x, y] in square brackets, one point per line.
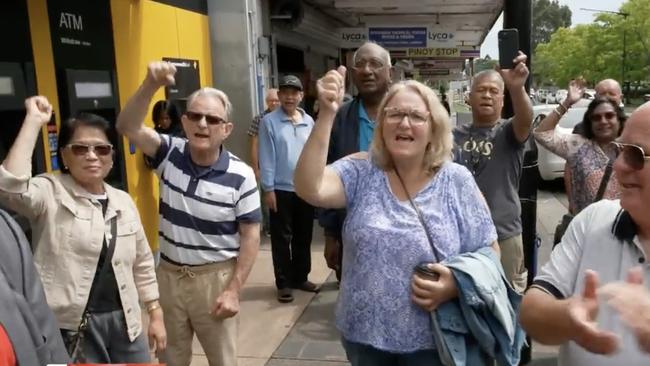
[572, 117]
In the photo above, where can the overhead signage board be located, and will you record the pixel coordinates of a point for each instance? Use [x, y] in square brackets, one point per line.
[398, 37]
[352, 37]
[438, 64]
[438, 52]
[436, 72]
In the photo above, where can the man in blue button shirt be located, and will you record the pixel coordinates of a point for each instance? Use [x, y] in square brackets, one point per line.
[282, 135]
[353, 129]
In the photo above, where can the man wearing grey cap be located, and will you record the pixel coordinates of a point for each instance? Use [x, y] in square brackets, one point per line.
[282, 135]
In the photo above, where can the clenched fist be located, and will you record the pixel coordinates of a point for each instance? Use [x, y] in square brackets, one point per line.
[39, 110]
[161, 73]
[331, 89]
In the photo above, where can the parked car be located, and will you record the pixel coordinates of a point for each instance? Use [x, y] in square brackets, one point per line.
[589, 94]
[550, 98]
[550, 165]
[560, 95]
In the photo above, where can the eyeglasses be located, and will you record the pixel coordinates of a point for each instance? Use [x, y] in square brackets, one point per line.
[597, 117]
[211, 120]
[416, 117]
[373, 64]
[84, 149]
[633, 155]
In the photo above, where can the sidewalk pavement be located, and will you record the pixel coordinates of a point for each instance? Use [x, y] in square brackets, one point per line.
[303, 333]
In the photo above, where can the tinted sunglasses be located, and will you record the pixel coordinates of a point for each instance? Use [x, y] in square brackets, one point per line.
[83, 149]
[633, 155]
[597, 117]
[211, 120]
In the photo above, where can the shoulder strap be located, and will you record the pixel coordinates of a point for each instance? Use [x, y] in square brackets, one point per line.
[107, 262]
[604, 182]
[436, 255]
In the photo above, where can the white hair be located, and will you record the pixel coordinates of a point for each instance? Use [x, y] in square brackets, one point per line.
[214, 93]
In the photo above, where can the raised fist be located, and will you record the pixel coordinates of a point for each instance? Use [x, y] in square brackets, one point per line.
[39, 110]
[331, 89]
[161, 73]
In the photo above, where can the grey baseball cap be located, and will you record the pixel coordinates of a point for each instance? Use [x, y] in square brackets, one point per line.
[290, 81]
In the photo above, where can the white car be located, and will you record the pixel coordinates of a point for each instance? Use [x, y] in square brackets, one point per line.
[560, 95]
[550, 165]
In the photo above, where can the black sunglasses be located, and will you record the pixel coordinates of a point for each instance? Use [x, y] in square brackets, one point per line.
[211, 120]
[633, 155]
[83, 149]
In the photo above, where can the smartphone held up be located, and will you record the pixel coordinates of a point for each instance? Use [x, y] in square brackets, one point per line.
[508, 47]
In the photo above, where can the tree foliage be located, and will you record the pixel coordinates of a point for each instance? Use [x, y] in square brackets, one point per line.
[548, 16]
[595, 51]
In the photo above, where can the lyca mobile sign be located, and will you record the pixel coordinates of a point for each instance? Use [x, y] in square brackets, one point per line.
[437, 37]
[353, 37]
[433, 52]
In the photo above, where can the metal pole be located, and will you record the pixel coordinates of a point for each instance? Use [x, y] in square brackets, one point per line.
[626, 86]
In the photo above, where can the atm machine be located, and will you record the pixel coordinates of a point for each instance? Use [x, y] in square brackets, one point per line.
[17, 82]
[94, 91]
[84, 61]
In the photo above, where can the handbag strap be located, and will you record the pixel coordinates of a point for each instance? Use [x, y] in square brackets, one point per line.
[436, 255]
[604, 182]
[107, 262]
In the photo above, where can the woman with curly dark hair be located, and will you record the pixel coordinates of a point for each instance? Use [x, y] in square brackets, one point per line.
[588, 154]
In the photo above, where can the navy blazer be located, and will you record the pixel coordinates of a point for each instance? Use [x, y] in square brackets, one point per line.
[344, 140]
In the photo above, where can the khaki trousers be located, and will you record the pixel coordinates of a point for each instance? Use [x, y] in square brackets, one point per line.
[512, 260]
[187, 295]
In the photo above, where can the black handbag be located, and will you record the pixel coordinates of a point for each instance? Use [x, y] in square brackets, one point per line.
[74, 339]
[566, 219]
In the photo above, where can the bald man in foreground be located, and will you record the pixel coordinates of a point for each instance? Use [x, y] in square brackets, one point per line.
[592, 297]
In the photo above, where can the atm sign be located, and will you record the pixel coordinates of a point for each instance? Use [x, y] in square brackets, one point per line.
[433, 52]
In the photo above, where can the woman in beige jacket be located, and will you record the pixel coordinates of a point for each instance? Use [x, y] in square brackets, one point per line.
[89, 245]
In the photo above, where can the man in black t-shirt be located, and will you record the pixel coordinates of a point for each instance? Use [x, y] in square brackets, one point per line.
[492, 149]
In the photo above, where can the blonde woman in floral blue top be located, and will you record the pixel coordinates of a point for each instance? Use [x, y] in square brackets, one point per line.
[383, 308]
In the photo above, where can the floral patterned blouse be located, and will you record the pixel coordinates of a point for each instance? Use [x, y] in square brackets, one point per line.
[383, 241]
[587, 162]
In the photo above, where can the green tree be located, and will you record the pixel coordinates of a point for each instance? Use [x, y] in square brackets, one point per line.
[548, 16]
[595, 51]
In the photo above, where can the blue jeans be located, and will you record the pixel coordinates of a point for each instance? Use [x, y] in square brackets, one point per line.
[363, 355]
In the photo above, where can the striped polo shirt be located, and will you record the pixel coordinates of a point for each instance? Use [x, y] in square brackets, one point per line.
[201, 207]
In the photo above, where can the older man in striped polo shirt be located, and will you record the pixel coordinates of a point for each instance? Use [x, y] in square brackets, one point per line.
[209, 219]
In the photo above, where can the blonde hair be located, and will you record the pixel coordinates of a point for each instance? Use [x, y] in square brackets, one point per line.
[214, 93]
[438, 150]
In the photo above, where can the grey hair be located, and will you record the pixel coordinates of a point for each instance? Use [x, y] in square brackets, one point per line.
[485, 74]
[384, 52]
[214, 93]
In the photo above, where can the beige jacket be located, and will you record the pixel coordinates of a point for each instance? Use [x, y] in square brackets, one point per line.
[68, 231]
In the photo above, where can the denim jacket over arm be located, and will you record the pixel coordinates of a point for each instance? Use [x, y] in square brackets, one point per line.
[68, 234]
[481, 324]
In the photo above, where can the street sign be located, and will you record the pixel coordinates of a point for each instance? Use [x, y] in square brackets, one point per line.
[448, 52]
[398, 37]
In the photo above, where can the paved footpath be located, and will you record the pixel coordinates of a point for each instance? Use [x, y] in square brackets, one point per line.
[303, 333]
